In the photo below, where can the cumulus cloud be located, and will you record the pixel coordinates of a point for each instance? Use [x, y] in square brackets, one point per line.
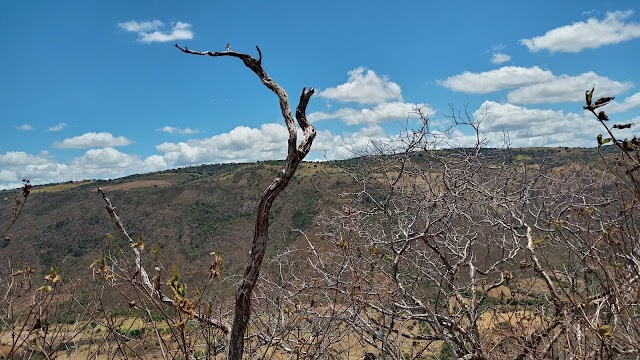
[153, 31]
[499, 58]
[533, 85]
[530, 127]
[628, 103]
[58, 127]
[94, 164]
[13, 165]
[7, 176]
[494, 80]
[141, 27]
[175, 130]
[107, 157]
[242, 144]
[96, 161]
[525, 127]
[565, 88]
[509, 117]
[329, 146]
[589, 34]
[377, 114]
[364, 87]
[92, 140]
[24, 127]
[17, 159]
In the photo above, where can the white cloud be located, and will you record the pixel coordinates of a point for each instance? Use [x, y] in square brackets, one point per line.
[328, 146]
[7, 176]
[530, 127]
[499, 58]
[185, 131]
[589, 34]
[534, 85]
[24, 127]
[509, 117]
[141, 27]
[151, 31]
[524, 126]
[180, 31]
[103, 158]
[156, 162]
[494, 80]
[565, 88]
[17, 159]
[58, 127]
[497, 48]
[629, 103]
[94, 164]
[380, 113]
[364, 87]
[13, 165]
[242, 144]
[92, 140]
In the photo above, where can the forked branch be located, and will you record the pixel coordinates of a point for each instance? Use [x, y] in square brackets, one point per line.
[295, 155]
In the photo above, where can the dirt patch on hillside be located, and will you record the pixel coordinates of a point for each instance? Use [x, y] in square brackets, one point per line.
[186, 197]
[60, 187]
[137, 185]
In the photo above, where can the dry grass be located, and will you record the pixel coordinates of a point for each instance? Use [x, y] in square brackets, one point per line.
[91, 342]
[80, 341]
[138, 184]
[60, 187]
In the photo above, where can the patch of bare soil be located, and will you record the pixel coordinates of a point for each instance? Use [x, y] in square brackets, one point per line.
[137, 185]
[186, 197]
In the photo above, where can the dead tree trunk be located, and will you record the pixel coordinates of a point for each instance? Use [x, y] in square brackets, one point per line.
[295, 155]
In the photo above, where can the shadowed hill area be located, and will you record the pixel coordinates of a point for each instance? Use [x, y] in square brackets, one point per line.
[181, 215]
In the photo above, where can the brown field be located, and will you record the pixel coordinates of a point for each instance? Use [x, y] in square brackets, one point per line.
[60, 187]
[138, 184]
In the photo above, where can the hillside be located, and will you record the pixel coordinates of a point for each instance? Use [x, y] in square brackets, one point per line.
[480, 239]
[183, 214]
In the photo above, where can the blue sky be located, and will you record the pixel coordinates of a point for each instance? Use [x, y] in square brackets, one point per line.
[97, 90]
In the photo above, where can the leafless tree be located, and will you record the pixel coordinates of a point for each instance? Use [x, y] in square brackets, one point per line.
[483, 255]
[295, 155]
[39, 317]
[412, 253]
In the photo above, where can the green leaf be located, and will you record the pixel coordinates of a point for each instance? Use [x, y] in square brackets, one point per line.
[605, 330]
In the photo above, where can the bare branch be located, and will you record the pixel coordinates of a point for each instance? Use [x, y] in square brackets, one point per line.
[152, 289]
[295, 155]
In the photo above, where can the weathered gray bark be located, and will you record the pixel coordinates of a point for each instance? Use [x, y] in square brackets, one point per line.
[295, 155]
